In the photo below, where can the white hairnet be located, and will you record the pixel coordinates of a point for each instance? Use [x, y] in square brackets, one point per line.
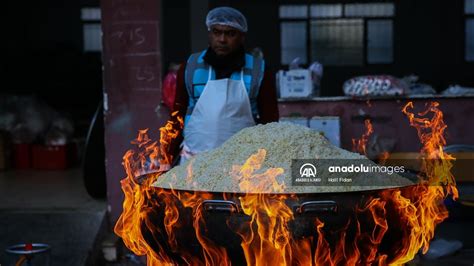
[226, 16]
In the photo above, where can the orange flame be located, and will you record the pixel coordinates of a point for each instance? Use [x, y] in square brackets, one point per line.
[404, 217]
[139, 202]
[270, 244]
[213, 254]
[359, 145]
[167, 133]
[383, 157]
[422, 206]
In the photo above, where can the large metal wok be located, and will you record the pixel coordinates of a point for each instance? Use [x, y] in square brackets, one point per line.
[223, 214]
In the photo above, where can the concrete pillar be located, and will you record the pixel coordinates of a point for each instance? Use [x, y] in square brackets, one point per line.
[132, 83]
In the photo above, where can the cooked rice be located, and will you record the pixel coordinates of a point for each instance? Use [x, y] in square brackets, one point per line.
[283, 142]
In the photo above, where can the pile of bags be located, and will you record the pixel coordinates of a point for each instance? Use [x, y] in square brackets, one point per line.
[28, 120]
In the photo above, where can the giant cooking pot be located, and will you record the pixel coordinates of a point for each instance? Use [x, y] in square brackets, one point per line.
[222, 215]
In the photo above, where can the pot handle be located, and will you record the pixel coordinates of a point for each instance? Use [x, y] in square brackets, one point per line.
[313, 207]
[220, 206]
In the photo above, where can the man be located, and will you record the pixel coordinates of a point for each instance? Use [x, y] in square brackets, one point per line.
[222, 90]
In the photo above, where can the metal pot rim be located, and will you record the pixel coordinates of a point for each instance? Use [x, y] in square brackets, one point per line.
[368, 191]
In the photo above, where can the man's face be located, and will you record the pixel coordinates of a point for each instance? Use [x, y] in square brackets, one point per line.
[225, 40]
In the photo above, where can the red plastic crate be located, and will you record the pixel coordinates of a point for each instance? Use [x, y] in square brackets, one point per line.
[50, 157]
[22, 156]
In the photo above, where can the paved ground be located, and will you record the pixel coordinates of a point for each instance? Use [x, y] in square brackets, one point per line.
[45, 190]
[49, 207]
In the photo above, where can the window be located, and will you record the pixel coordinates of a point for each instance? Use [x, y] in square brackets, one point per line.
[326, 11]
[469, 36]
[337, 34]
[92, 32]
[337, 41]
[293, 40]
[369, 10]
[379, 41]
[293, 11]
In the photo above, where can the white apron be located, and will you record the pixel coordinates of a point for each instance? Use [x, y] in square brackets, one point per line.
[222, 110]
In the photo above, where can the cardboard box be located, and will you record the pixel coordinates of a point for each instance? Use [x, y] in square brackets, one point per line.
[295, 83]
[330, 126]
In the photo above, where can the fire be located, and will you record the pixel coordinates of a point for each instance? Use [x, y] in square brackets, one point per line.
[390, 227]
[382, 158]
[139, 202]
[359, 145]
[266, 238]
[213, 254]
[422, 206]
[435, 162]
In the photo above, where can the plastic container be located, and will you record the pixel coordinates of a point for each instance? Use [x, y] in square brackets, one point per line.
[22, 156]
[50, 157]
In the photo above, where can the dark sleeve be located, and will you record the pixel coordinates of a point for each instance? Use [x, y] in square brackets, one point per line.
[267, 99]
[180, 106]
